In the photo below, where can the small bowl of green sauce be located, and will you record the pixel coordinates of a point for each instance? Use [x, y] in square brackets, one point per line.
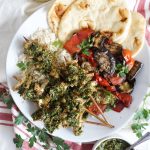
[111, 143]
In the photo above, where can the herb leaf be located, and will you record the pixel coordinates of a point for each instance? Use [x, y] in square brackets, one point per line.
[22, 65]
[138, 128]
[19, 119]
[32, 140]
[18, 141]
[122, 70]
[86, 45]
[31, 129]
[57, 44]
[60, 145]
[140, 119]
[85, 52]
[43, 136]
[8, 101]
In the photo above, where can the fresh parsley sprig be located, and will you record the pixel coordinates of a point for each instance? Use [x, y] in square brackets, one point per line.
[18, 141]
[19, 119]
[86, 45]
[141, 118]
[122, 70]
[57, 44]
[60, 145]
[22, 65]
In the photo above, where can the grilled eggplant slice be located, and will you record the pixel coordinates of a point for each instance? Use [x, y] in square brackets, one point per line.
[105, 60]
[134, 71]
[102, 41]
[114, 48]
[99, 40]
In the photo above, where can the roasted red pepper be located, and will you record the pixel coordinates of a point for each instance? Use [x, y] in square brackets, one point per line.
[101, 81]
[116, 80]
[72, 45]
[111, 88]
[125, 98]
[84, 33]
[130, 63]
[95, 110]
[90, 58]
[119, 106]
[127, 54]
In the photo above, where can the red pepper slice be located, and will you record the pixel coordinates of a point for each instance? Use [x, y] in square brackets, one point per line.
[116, 80]
[90, 58]
[125, 98]
[94, 109]
[101, 81]
[127, 54]
[119, 106]
[111, 88]
[92, 61]
[71, 45]
[84, 33]
[130, 63]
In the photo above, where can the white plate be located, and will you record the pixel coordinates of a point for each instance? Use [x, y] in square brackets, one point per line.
[90, 132]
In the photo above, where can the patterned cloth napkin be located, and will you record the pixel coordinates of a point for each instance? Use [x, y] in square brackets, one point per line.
[26, 133]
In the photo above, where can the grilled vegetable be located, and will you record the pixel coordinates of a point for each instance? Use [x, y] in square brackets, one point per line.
[114, 48]
[127, 54]
[102, 42]
[134, 71]
[101, 81]
[126, 87]
[116, 80]
[99, 40]
[105, 60]
[119, 106]
[125, 98]
[72, 45]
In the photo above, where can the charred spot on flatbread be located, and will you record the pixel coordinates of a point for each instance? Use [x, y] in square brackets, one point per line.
[108, 34]
[123, 13]
[83, 5]
[56, 12]
[60, 9]
[137, 42]
[120, 31]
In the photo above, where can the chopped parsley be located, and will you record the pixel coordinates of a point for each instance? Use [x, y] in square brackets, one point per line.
[86, 45]
[122, 70]
[57, 44]
[18, 141]
[22, 65]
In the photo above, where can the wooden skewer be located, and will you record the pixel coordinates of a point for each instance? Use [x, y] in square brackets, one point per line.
[95, 123]
[100, 119]
[101, 112]
[25, 39]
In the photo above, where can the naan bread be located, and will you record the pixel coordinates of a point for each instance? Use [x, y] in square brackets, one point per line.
[136, 35]
[56, 12]
[104, 15]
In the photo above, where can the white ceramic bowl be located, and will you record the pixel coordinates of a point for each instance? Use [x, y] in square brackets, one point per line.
[107, 138]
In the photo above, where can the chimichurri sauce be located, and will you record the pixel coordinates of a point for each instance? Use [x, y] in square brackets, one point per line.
[113, 144]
